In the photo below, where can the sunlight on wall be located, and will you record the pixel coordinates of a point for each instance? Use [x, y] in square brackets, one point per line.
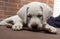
[56, 11]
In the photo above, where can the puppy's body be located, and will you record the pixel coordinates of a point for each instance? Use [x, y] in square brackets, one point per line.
[12, 21]
[35, 14]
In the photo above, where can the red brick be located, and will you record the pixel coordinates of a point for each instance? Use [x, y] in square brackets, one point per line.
[1, 16]
[19, 6]
[44, 1]
[12, 9]
[10, 4]
[50, 1]
[4, 0]
[15, 1]
[9, 13]
[1, 3]
[32, 0]
[51, 5]
[12, 0]
[3, 8]
[23, 3]
[18, 1]
[1, 12]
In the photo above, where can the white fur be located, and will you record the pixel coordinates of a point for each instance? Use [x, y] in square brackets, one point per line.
[51, 28]
[17, 26]
[34, 9]
[16, 20]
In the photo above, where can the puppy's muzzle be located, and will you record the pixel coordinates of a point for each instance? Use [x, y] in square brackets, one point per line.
[34, 26]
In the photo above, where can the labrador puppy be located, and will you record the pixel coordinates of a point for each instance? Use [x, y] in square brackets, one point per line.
[35, 15]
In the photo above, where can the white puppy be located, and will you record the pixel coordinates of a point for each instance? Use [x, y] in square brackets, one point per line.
[35, 14]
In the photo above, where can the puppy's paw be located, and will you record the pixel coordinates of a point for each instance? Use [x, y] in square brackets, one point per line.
[17, 27]
[51, 29]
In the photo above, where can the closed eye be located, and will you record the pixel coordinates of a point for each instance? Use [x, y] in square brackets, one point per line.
[39, 16]
[29, 16]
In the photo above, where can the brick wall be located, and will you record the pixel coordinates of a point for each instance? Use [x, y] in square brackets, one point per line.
[10, 7]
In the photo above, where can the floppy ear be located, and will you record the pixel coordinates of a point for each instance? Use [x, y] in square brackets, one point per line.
[47, 13]
[22, 13]
[41, 8]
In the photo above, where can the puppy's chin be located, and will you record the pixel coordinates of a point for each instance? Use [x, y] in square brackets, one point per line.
[33, 29]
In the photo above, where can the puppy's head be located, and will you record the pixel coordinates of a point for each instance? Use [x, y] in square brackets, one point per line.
[34, 17]
[35, 14]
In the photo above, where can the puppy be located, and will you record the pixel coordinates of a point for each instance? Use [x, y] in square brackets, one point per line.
[35, 15]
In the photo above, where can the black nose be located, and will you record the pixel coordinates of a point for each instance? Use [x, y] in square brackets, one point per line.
[34, 26]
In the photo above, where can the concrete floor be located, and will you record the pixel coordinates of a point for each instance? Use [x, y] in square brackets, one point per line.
[7, 33]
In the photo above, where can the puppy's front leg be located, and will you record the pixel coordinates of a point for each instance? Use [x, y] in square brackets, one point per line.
[50, 28]
[6, 22]
[17, 26]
